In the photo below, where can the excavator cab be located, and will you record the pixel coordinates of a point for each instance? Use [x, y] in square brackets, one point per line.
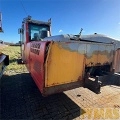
[37, 32]
[31, 31]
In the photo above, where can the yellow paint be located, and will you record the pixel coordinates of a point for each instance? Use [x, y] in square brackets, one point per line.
[92, 59]
[63, 66]
[98, 58]
[104, 58]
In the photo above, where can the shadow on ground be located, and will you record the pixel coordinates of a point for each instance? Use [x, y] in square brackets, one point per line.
[21, 99]
[112, 80]
[12, 60]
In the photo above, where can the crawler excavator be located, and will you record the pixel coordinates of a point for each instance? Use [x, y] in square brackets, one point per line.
[63, 62]
[4, 59]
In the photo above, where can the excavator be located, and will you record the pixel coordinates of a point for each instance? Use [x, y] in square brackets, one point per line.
[4, 59]
[62, 62]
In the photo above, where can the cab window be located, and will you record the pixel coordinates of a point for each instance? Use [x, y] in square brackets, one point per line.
[38, 32]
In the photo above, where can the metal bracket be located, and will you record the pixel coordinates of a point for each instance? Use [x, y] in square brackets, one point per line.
[95, 84]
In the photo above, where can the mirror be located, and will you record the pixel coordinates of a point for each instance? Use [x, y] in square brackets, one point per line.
[20, 31]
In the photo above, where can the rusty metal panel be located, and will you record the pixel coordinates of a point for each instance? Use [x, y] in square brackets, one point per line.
[64, 64]
[82, 48]
[102, 54]
[110, 52]
[92, 54]
[99, 54]
[117, 60]
[105, 54]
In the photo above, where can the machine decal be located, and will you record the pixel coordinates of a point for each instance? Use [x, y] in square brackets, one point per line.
[35, 48]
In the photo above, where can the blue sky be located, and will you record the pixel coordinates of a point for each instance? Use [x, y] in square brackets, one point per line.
[68, 16]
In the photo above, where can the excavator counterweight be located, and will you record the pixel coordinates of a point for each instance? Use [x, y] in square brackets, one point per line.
[62, 62]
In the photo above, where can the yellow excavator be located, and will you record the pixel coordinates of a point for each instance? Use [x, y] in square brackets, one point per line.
[4, 59]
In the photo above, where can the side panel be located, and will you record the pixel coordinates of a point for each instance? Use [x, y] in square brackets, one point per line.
[105, 54]
[99, 54]
[64, 64]
[91, 54]
[117, 61]
[27, 55]
[37, 56]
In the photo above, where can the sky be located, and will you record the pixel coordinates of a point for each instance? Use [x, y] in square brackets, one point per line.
[68, 16]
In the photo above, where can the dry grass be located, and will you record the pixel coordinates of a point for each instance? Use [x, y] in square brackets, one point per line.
[14, 54]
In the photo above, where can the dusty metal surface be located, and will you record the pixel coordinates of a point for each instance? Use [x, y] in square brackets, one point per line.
[66, 61]
[117, 61]
[21, 99]
[96, 53]
[62, 65]
[99, 54]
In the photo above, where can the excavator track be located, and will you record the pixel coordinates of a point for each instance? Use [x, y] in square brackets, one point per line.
[4, 61]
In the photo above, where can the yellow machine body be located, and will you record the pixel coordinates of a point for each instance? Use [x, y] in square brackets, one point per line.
[63, 66]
